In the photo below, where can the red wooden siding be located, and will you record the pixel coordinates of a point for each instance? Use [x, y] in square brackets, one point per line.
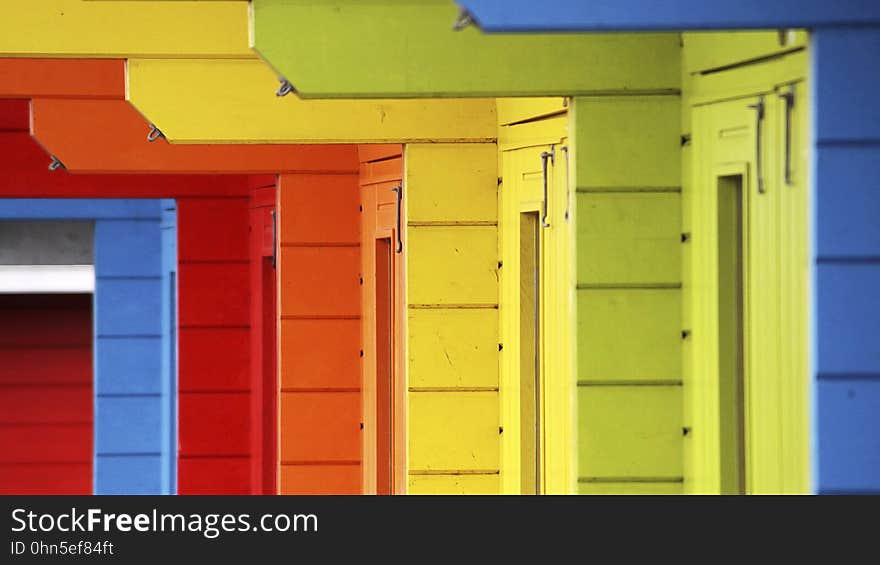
[214, 381]
[46, 421]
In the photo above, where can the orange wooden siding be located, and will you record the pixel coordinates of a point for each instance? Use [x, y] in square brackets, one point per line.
[319, 263]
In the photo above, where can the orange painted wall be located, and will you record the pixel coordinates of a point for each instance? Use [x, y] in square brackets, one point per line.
[381, 169]
[320, 341]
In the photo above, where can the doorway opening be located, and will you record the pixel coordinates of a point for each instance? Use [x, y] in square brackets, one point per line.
[530, 359]
[384, 369]
[731, 349]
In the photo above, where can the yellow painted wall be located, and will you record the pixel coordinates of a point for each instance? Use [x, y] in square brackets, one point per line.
[629, 383]
[452, 327]
[723, 130]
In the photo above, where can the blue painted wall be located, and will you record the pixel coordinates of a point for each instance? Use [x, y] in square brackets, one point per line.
[846, 263]
[622, 15]
[133, 452]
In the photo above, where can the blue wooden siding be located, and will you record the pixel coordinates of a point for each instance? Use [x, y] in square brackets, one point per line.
[846, 263]
[132, 454]
[169, 343]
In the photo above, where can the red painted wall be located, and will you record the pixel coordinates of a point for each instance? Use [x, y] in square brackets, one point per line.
[46, 422]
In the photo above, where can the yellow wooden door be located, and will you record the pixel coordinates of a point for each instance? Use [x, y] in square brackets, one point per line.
[745, 390]
[537, 387]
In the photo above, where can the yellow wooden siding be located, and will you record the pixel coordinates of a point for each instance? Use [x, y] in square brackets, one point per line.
[629, 238]
[629, 334]
[233, 101]
[522, 191]
[651, 448]
[453, 264]
[628, 178]
[775, 289]
[454, 484]
[452, 331]
[628, 142]
[631, 487]
[457, 348]
[437, 417]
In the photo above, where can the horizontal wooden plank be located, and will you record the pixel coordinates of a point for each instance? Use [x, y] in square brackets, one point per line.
[72, 28]
[214, 424]
[214, 294]
[453, 348]
[848, 411]
[453, 431]
[62, 78]
[634, 140]
[629, 334]
[633, 488]
[320, 479]
[849, 318]
[514, 110]
[213, 359]
[45, 322]
[213, 475]
[45, 404]
[32, 366]
[320, 426]
[48, 443]
[319, 209]
[629, 238]
[110, 136]
[846, 201]
[320, 354]
[408, 38]
[378, 151]
[454, 484]
[711, 50]
[452, 182]
[212, 230]
[128, 249]
[320, 281]
[46, 478]
[453, 265]
[129, 424]
[629, 431]
[128, 365]
[130, 474]
[170, 92]
[116, 314]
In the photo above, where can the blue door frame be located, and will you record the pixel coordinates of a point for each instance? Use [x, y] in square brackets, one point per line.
[845, 205]
[134, 371]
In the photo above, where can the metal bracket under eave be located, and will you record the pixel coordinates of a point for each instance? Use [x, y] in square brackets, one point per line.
[464, 19]
[155, 133]
[285, 88]
[56, 164]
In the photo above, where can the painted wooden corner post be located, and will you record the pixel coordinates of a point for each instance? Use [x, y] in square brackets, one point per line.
[452, 298]
[131, 452]
[320, 341]
[410, 49]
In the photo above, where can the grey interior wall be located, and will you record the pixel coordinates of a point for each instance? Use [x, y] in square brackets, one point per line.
[47, 243]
